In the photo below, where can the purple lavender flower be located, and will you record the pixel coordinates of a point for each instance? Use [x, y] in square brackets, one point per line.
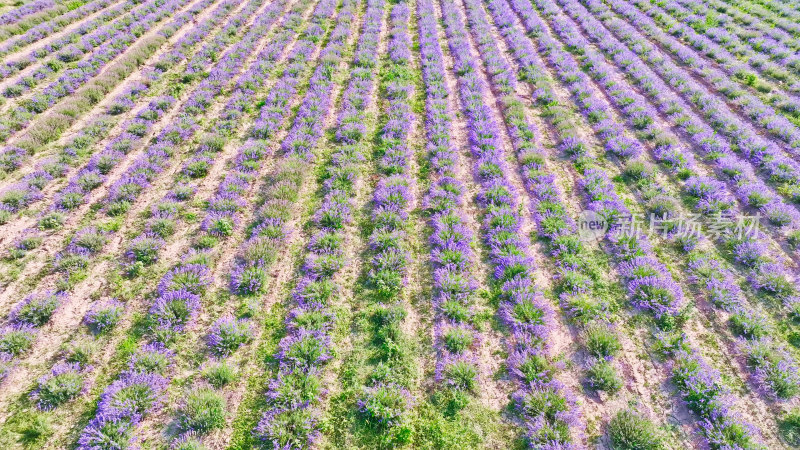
[174, 310]
[296, 427]
[151, 358]
[6, 364]
[133, 395]
[304, 350]
[37, 308]
[17, 339]
[228, 334]
[384, 405]
[64, 383]
[189, 277]
[103, 317]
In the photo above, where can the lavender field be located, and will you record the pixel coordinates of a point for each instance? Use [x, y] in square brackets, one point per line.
[373, 224]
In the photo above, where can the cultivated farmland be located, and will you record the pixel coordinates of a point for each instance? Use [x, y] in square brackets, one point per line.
[455, 224]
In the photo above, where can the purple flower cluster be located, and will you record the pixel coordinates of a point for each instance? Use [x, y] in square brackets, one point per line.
[227, 334]
[270, 228]
[102, 317]
[37, 308]
[64, 382]
[776, 371]
[700, 387]
[137, 392]
[179, 299]
[721, 76]
[15, 15]
[50, 27]
[124, 34]
[650, 284]
[523, 309]
[93, 174]
[77, 256]
[16, 339]
[291, 419]
[709, 194]
[761, 152]
[6, 364]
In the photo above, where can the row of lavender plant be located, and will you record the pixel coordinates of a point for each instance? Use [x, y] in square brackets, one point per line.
[139, 22]
[783, 128]
[84, 33]
[230, 196]
[27, 9]
[651, 287]
[716, 111]
[178, 300]
[713, 147]
[766, 11]
[383, 404]
[130, 184]
[143, 250]
[283, 92]
[73, 262]
[20, 26]
[61, 117]
[94, 173]
[751, 21]
[578, 283]
[13, 157]
[451, 240]
[746, 322]
[771, 56]
[83, 54]
[772, 41]
[49, 28]
[769, 272]
[749, 250]
[784, 99]
[546, 406]
[293, 397]
[763, 116]
[133, 132]
[270, 227]
[227, 202]
[226, 334]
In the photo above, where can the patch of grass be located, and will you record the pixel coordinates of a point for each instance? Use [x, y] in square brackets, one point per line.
[629, 430]
[254, 402]
[789, 427]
